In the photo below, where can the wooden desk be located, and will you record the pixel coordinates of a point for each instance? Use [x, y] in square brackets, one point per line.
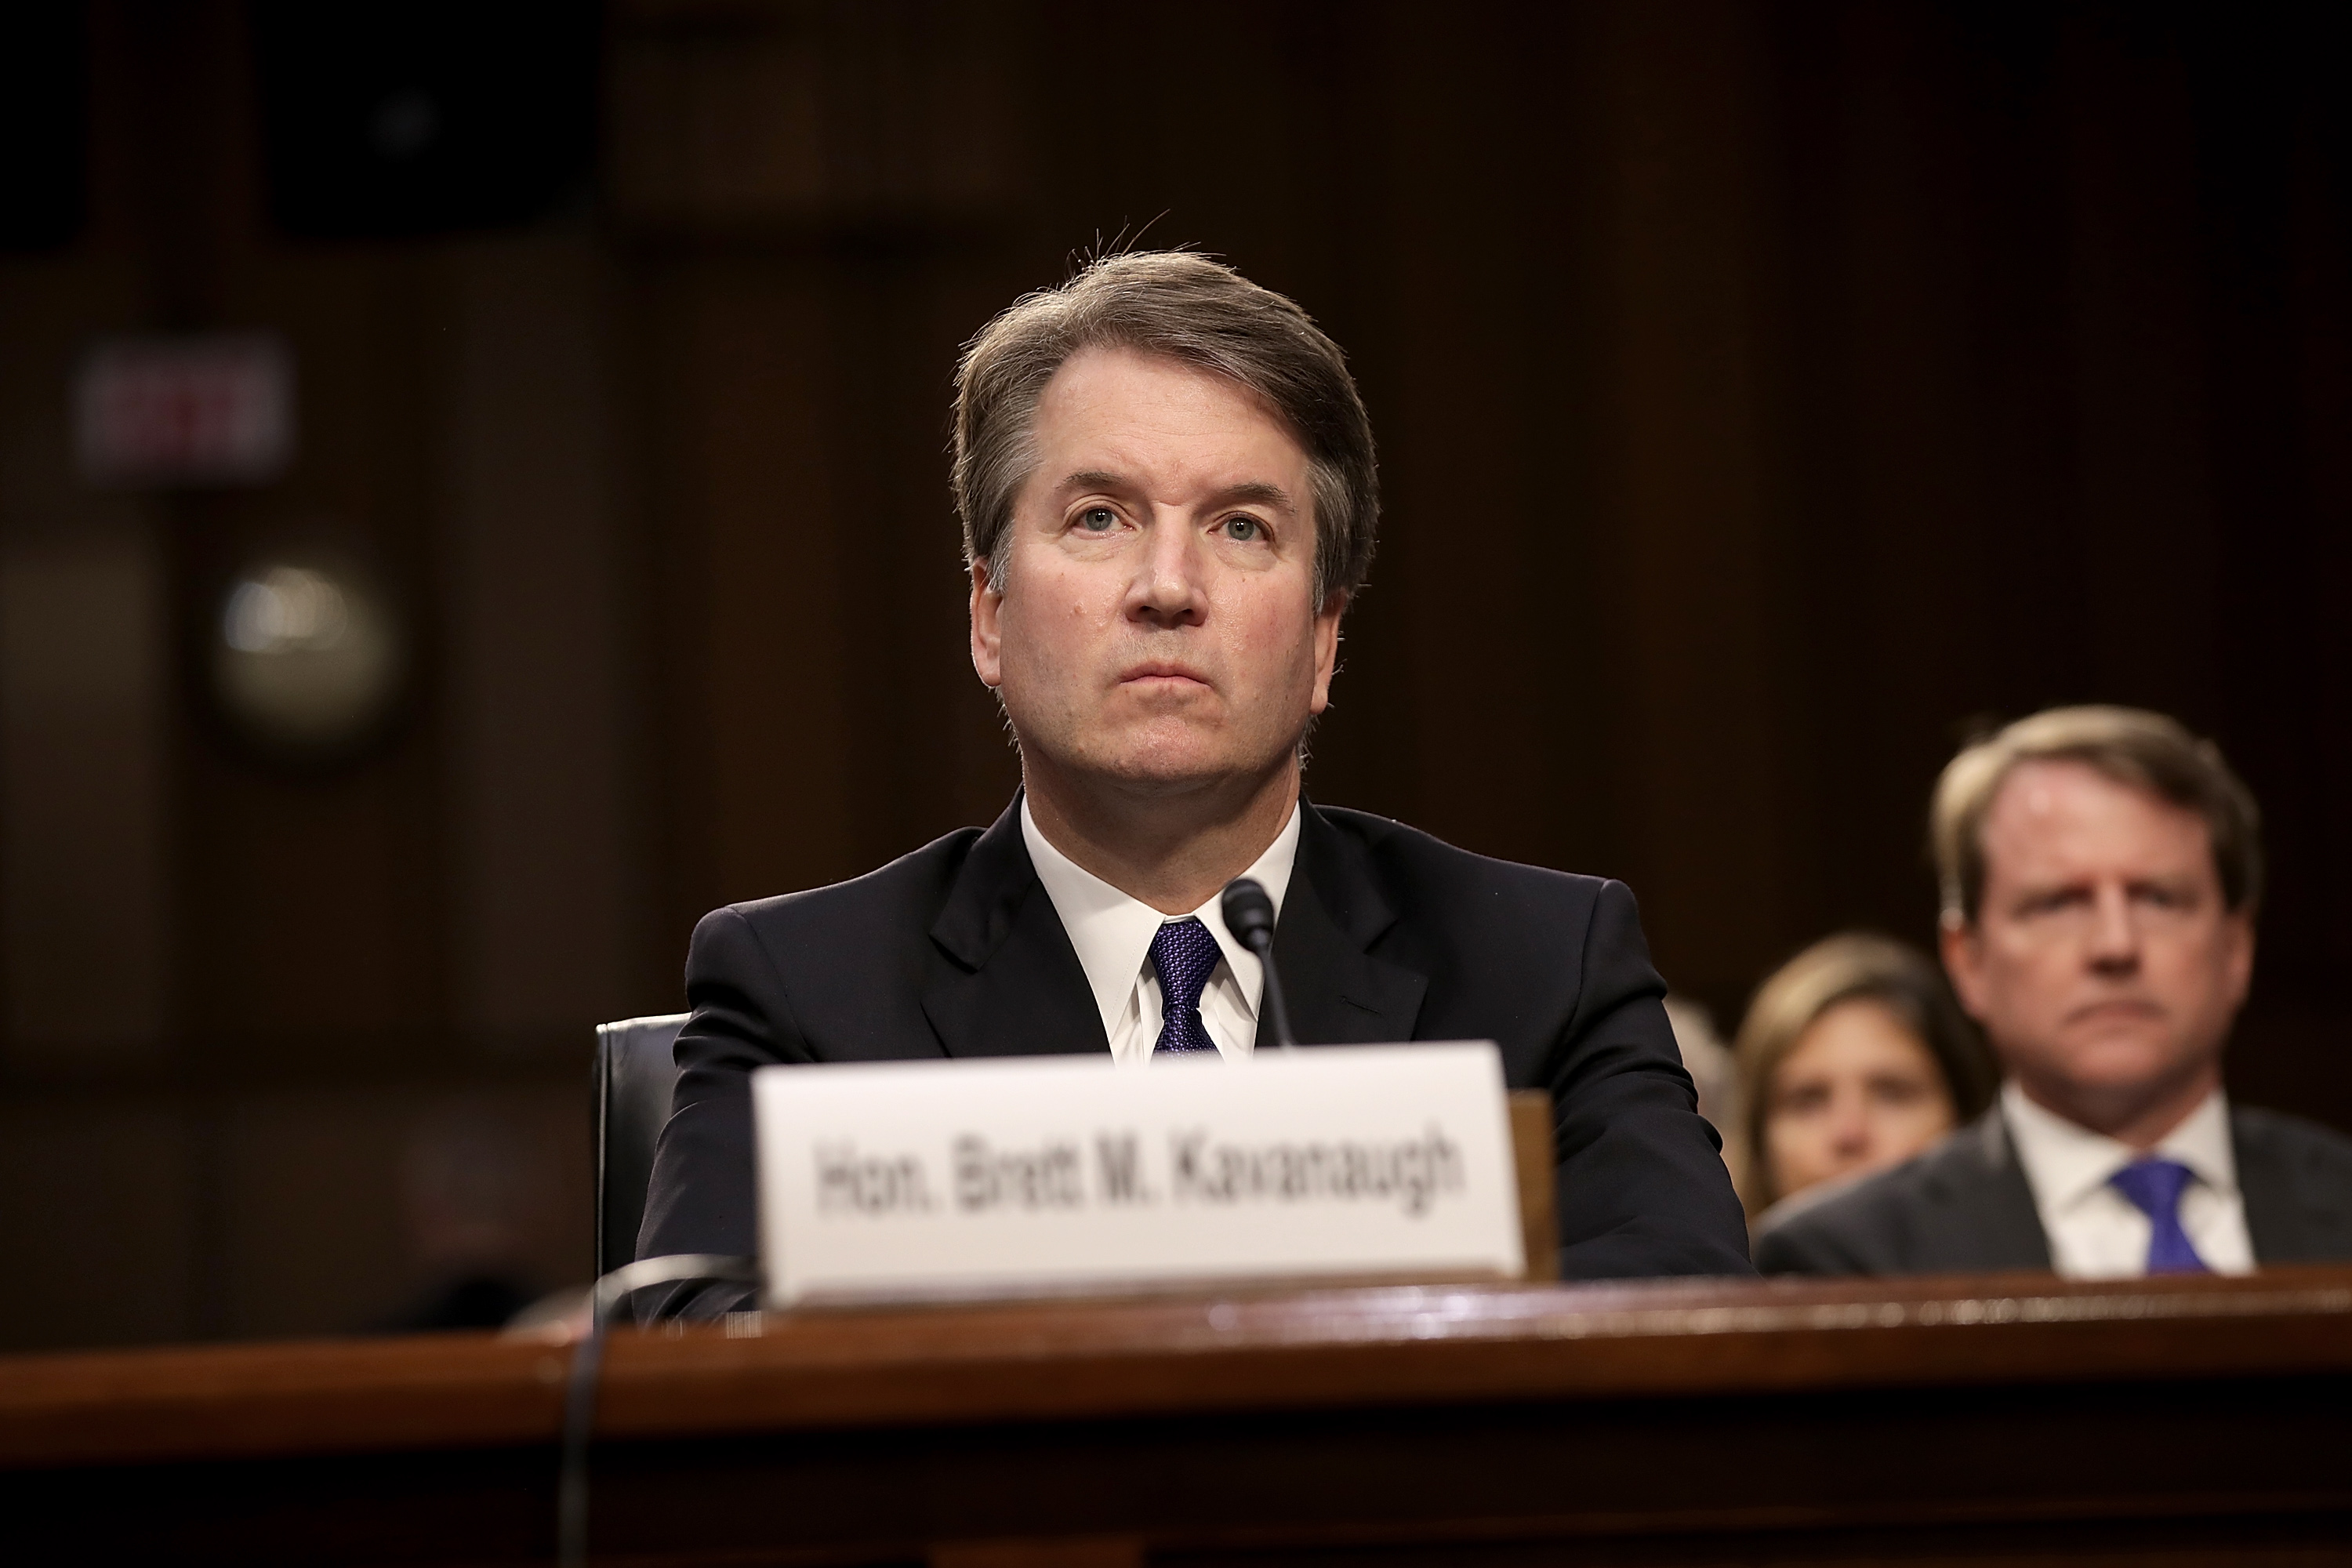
[2014, 1419]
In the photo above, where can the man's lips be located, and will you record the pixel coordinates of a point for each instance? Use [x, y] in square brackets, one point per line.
[2114, 1009]
[1156, 672]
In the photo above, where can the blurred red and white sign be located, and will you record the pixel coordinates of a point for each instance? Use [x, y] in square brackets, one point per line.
[214, 409]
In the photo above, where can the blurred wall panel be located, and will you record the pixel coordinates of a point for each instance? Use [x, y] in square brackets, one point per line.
[789, 117]
[2313, 360]
[2143, 450]
[107, 1198]
[1689, 536]
[83, 793]
[539, 616]
[329, 1199]
[2280, 335]
[1895, 524]
[86, 807]
[720, 114]
[754, 639]
[1469, 403]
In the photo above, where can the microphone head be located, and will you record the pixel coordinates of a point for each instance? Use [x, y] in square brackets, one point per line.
[1249, 914]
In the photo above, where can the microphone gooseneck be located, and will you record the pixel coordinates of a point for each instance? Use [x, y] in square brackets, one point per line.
[1249, 915]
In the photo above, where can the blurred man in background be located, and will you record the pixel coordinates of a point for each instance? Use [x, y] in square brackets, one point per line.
[2100, 869]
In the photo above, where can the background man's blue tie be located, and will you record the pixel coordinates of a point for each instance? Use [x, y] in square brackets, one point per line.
[2154, 1186]
[1183, 955]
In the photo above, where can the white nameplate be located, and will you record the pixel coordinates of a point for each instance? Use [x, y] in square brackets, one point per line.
[1034, 1174]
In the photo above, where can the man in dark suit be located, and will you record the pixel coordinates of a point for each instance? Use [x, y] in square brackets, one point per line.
[1168, 491]
[2101, 870]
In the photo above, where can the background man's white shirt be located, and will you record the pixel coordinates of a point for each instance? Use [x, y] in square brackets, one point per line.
[2096, 1233]
[1113, 934]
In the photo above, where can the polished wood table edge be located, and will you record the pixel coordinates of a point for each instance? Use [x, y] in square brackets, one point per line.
[1162, 1356]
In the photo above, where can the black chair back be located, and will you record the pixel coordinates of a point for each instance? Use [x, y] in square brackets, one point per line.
[634, 1077]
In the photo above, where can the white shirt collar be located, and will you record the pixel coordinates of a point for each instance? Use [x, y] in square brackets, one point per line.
[1112, 931]
[2065, 1164]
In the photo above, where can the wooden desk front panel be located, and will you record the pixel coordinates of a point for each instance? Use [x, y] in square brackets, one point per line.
[2201, 1421]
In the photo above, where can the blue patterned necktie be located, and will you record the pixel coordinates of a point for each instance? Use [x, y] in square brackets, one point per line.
[1183, 955]
[2154, 1187]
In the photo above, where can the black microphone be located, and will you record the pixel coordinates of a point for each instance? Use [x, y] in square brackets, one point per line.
[1249, 915]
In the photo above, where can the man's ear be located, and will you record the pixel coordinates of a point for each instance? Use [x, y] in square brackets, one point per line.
[987, 630]
[1963, 949]
[1327, 647]
[2240, 954]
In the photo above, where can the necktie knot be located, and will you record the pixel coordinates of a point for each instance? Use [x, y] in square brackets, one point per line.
[2154, 1186]
[1183, 954]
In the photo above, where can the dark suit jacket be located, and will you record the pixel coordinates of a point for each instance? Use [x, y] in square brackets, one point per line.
[1386, 934]
[1964, 1207]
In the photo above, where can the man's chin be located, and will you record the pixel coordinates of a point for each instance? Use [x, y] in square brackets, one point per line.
[1157, 757]
[1158, 768]
[2117, 1061]
[1162, 776]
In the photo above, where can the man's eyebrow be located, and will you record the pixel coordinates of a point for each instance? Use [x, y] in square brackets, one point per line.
[1257, 490]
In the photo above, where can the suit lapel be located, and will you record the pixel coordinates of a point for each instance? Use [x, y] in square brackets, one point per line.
[1001, 978]
[1990, 1216]
[2275, 1223]
[1332, 915]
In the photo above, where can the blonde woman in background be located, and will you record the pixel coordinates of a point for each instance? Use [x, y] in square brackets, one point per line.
[1853, 1058]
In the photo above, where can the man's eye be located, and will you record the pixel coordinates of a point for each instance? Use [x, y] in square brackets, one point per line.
[1098, 519]
[2052, 903]
[1245, 530]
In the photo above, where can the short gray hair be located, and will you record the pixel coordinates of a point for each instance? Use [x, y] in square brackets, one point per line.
[1199, 312]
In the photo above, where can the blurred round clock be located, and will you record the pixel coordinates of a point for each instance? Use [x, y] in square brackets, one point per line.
[307, 658]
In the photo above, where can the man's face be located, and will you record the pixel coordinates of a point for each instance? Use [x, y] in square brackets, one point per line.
[1157, 627]
[2101, 963]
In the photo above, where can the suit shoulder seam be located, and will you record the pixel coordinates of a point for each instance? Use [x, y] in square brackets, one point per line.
[791, 1020]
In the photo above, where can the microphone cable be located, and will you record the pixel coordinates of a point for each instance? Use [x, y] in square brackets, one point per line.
[587, 1360]
[1249, 915]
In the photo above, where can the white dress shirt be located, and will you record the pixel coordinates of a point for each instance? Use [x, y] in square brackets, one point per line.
[2095, 1231]
[1113, 934]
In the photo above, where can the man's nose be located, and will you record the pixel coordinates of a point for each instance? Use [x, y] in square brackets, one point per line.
[2115, 934]
[1167, 588]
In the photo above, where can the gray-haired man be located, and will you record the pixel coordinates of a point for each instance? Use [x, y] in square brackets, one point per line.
[1168, 491]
